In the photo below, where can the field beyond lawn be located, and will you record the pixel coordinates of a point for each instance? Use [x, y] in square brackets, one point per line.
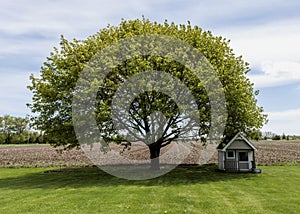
[28, 155]
[187, 189]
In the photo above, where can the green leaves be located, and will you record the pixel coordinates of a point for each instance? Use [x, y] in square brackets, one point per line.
[15, 130]
[53, 90]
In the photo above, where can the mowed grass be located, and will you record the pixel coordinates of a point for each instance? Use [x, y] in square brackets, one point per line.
[187, 189]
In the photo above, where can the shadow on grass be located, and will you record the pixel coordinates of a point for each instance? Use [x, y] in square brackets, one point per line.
[93, 177]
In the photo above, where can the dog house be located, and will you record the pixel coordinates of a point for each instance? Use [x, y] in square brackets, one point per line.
[238, 155]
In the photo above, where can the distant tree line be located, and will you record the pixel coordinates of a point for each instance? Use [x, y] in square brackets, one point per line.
[16, 130]
[273, 136]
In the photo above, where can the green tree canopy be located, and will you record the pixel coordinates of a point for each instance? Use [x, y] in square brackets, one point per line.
[13, 129]
[53, 91]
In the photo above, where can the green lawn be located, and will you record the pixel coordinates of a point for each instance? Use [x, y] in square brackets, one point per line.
[190, 189]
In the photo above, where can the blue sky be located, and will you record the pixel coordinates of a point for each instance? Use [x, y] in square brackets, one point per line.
[265, 33]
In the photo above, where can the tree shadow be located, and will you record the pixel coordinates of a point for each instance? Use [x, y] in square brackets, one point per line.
[94, 177]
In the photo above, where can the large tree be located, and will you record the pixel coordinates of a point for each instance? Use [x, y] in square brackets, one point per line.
[53, 91]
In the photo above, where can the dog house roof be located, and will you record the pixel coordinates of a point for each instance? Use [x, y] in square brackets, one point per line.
[239, 141]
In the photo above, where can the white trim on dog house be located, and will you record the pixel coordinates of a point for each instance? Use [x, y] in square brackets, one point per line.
[238, 142]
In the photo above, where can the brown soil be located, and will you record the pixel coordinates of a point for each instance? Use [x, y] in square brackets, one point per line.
[277, 152]
[40, 156]
[46, 156]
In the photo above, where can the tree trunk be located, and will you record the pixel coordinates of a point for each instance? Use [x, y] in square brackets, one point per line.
[154, 155]
[8, 139]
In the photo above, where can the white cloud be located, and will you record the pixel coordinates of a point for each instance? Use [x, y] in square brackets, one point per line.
[277, 41]
[287, 122]
[276, 73]
[63, 16]
[14, 94]
[272, 48]
[35, 47]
